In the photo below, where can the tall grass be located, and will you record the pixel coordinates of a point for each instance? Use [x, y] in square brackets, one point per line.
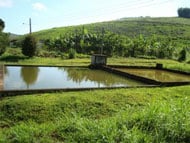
[122, 115]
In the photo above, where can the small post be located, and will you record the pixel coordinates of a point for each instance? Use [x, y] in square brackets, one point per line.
[101, 50]
[159, 66]
[30, 25]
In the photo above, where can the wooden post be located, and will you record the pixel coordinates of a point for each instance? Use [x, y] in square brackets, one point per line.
[1, 77]
[30, 25]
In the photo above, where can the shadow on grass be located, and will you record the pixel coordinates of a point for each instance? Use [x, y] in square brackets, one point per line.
[12, 58]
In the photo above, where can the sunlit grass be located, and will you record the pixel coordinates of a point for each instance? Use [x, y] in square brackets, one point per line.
[122, 115]
[49, 61]
[171, 64]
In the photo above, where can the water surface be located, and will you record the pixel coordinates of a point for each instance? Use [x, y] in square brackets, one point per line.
[158, 75]
[25, 77]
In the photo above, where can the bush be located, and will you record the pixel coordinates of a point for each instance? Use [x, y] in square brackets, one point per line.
[13, 51]
[43, 53]
[182, 55]
[72, 53]
[29, 46]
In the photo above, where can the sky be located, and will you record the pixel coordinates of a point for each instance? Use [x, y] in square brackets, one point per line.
[47, 14]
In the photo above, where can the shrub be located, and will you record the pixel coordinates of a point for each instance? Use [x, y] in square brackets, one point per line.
[13, 51]
[72, 53]
[182, 55]
[44, 53]
[29, 46]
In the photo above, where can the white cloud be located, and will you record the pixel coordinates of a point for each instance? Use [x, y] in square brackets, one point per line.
[6, 3]
[39, 6]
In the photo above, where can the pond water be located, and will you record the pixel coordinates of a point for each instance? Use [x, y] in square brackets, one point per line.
[158, 75]
[26, 77]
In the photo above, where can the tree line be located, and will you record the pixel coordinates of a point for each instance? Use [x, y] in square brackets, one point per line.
[184, 12]
[112, 44]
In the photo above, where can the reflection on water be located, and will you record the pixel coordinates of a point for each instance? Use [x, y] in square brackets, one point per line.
[29, 75]
[158, 75]
[61, 77]
[98, 76]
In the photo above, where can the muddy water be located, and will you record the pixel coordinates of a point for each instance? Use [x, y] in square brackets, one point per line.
[158, 75]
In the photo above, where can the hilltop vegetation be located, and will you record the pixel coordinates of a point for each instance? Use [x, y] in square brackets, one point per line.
[127, 37]
[130, 27]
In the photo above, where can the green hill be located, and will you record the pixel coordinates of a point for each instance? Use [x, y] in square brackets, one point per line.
[177, 29]
[144, 37]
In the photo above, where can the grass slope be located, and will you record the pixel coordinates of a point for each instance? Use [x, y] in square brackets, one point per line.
[123, 115]
[178, 29]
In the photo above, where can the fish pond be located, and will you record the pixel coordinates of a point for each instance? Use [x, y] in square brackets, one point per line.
[157, 74]
[34, 77]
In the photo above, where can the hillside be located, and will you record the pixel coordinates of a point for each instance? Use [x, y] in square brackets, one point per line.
[177, 29]
[13, 36]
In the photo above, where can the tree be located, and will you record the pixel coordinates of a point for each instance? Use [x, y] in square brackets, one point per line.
[2, 25]
[29, 46]
[184, 12]
[182, 55]
[3, 38]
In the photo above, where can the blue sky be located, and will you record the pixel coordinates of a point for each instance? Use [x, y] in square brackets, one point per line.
[56, 13]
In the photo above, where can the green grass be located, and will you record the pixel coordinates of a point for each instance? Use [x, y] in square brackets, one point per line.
[15, 56]
[177, 29]
[170, 64]
[44, 61]
[121, 115]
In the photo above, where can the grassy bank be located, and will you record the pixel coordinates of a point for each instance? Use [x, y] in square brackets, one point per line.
[122, 115]
[83, 61]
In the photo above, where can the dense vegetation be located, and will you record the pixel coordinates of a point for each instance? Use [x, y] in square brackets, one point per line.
[184, 12]
[112, 45]
[127, 37]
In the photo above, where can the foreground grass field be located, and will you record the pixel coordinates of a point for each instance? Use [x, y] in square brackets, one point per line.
[122, 115]
[134, 115]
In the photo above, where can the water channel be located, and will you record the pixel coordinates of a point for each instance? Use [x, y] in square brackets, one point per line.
[33, 77]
